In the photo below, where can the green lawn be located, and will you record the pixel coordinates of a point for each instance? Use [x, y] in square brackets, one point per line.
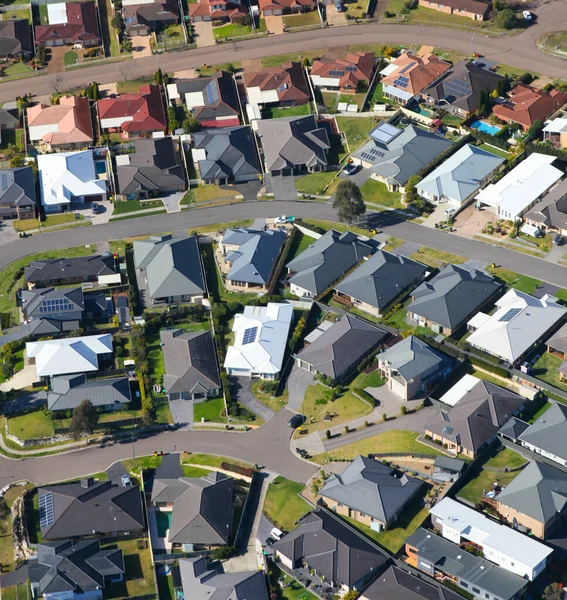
[436, 258]
[209, 70]
[212, 192]
[133, 86]
[163, 413]
[375, 192]
[392, 243]
[301, 20]
[211, 460]
[326, 225]
[122, 207]
[209, 410]
[43, 17]
[16, 592]
[539, 412]
[231, 30]
[70, 58]
[188, 198]
[50, 221]
[316, 183]
[494, 150]
[378, 98]
[155, 357]
[545, 243]
[18, 69]
[356, 129]
[106, 19]
[142, 463]
[278, 59]
[189, 471]
[139, 576]
[283, 507]
[220, 226]
[30, 426]
[6, 549]
[300, 243]
[373, 379]
[275, 403]
[520, 282]
[547, 369]
[293, 111]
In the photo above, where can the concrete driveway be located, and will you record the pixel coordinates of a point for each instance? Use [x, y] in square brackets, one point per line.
[141, 46]
[334, 17]
[21, 379]
[181, 411]
[204, 35]
[171, 202]
[283, 188]
[274, 24]
[298, 381]
[360, 177]
[241, 388]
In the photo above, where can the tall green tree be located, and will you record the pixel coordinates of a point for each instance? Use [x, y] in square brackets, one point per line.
[348, 202]
[84, 419]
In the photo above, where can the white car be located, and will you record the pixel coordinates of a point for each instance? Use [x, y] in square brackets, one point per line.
[527, 15]
[449, 211]
[282, 219]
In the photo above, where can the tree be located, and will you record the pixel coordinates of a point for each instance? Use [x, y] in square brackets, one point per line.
[172, 118]
[350, 595]
[124, 69]
[17, 161]
[158, 77]
[552, 592]
[230, 68]
[84, 419]
[117, 22]
[191, 125]
[126, 45]
[348, 202]
[95, 92]
[223, 552]
[411, 193]
[506, 19]
[534, 132]
[55, 83]
[305, 62]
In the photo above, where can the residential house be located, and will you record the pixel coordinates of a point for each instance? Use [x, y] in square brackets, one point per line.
[62, 126]
[70, 355]
[557, 343]
[444, 561]
[17, 193]
[252, 256]
[9, 119]
[88, 508]
[409, 73]
[123, 311]
[472, 9]
[133, 115]
[348, 76]
[411, 367]
[171, 269]
[65, 306]
[449, 300]
[16, 39]
[260, 340]
[509, 549]
[143, 18]
[213, 101]
[152, 170]
[338, 350]
[379, 281]
[458, 89]
[293, 145]
[522, 187]
[68, 391]
[550, 215]
[226, 155]
[65, 271]
[71, 23]
[459, 177]
[513, 429]
[471, 424]
[393, 155]
[190, 362]
[74, 569]
[555, 132]
[331, 549]
[547, 435]
[217, 10]
[285, 85]
[69, 180]
[325, 261]
[202, 579]
[518, 325]
[525, 105]
[281, 7]
[370, 492]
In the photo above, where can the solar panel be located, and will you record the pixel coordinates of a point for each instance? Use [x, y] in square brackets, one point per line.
[336, 73]
[402, 82]
[458, 88]
[4, 182]
[212, 92]
[350, 69]
[46, 512]
[411, 64]
[249, 335]
[55, 305]
[509, 315]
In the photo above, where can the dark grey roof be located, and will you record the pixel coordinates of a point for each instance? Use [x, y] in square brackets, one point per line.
[449, 464]
[8, 118]
[77, 567]
[552, 210]
[15, 37]
[453, 295]
[49, 326]
[153, 167]
[327, 259]
[549, 432]
[41, 302]
[150, 13]
[53, 269]
[513, 428]
[381, 278]
[230, 152]
[372, 488]
[17, 185]
[95, 303]
[558, 341]
[190, 362]
[334, 549]
[219, 93]
[453, 560]
[172, 265]
[68, 391]
[101, 508]
[342, 346]
[477, 416]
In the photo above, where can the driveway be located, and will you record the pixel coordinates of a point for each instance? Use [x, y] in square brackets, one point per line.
[360, 177]
[298, 381]
[334, 17]
[274, 24]
[141, 46]
[22, 379]
[387, 402]
[182, 411]
[243, 393]
[171, 202]
[27, 402]
[55, 63]
[283, 188]
[204, 35]
[248, 190]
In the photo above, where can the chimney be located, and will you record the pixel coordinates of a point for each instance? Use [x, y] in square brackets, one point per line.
[87, 482]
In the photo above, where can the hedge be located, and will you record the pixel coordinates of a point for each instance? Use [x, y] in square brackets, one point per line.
[246, 471]
[364, 395]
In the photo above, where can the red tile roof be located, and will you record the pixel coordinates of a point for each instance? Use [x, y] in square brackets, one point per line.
[420, 70]
[293, 4]
[357, 67]
[288, 79]
[81, 25]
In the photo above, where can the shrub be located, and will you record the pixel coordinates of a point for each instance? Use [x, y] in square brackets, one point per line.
[246, 471]
[223, 553]
[403, 410]
[384, 417]
[346, 429]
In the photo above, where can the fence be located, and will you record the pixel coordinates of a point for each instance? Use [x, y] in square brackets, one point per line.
[308, 232]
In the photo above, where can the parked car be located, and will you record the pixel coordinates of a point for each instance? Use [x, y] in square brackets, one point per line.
[527, 15]
[284, 219]
[558, 240]
[350, 169]
[296, 421]
[95, 208]
[339, 6]
[449, 211]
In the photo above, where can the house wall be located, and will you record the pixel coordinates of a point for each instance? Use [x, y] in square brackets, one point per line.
[451, 11]
[186, 298]
[114, 123]
[450, 444]
[285, 560]
[553, 457]
[299, 291]
[325, 82]
[431, 324]
[537, 527]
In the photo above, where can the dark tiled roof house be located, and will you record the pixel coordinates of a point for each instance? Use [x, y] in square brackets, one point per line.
[143, 19]
[63, 271]
[15, 38]
[17, 193]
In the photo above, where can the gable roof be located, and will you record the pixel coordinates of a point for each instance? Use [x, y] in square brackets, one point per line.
[150, 13]
[41, 302]
[77, 21]
[300, 4]
[419, 71]
[287, 79]
[17, 186]
[558, 341]
[453, 295]
[551, 211]
[356, 68]
[549, 432]
[68, 391]
[51, 269]
[15, 37]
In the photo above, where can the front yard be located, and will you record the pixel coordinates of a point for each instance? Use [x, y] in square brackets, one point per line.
[520, 282]
[210, 410]
[302, 20]
[127, 206]
[231, 30]
[375, 192]
[273, 402]
[207, 193]
[49, 221]
[283, 505]
[30, 426]
[318, 183]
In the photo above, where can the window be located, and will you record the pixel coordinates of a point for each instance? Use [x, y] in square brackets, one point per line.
[340, 503]
[362, 515]
[476, 590]
[487, 596]
[465, 585]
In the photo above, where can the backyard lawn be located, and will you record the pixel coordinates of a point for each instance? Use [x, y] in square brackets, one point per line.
[291, 589]
[209, 410]
[520, 282]
[300, 243]
[356, 129]
[139, 576]
[436, 258]
[283, 507]
[316, 183]
[547, 369]
[375, 192]
[302, 20]
[126, 206]
[377, 97]
[494, 150]
[212, 192]
[301, 110]
[30, 426]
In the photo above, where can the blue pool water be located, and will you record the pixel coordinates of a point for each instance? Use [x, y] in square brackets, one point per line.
[485, 127]
[100, 166]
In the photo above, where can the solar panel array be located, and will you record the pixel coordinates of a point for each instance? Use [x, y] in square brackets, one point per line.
[249, 336]
[46, 512]
[509, 315]
[457, 88]
[350, 69]
[4, 182]
[372, 154]
[336, 73]
[212, 92]
[402, 82]
[55, 305]
[411, 64]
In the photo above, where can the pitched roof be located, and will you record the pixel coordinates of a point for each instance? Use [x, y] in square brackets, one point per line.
[51, 269]
[472, 6]
[549, 432]
[17, 186]
[77, 21]
[327, 259]
[41, 302]
[342, 346]
[300, 4]
[419, 71]
[558, 341]
[381, 278]
[287, 79]
[551, 211]
[453, 295]
[150, 13]
[356, 67]
[15, 37]
[68, 391]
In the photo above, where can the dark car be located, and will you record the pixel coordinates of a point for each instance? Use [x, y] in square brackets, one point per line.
[350, 169]
[95, 208]
[558, 240]
[296, 421]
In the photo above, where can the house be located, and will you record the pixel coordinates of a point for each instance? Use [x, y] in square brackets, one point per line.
[458, 178]
[70, 355]
[555, 132]
[285, 85]
[557, 343]
[63, 305]
[518, 325]
[525, 105]
[68, 180]
[408, 74]
[71, 23]
[348, 76]
[472, 9]
[217, 10]
[513, 429]
[213, 101]
[522, 187]
[62, 126]
[88, 508]
[379, 281]
[68, 391]
[123, 311]
[74, 569]
[550, 215]
[191, 371]
[153, 169]
[411, 367]
[281, 7]
[202, 579]
[251, 255]
[370, 492]
[472, 422]
[449, 300]
[443, 560]
[535, 499]
[143, 18]
[171, 268]
[340, 348]
[325, 261]
[547, 435]
[226, 155]
[458, 89]
[260, 340]
[9, 119]
[16, 39]
[17, 193]
[509, 549]
[65, 271]
[133, 115]
[333, 550]
[293, 145]
[393, 155]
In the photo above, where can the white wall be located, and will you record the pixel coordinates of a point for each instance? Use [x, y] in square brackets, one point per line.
[38, 131]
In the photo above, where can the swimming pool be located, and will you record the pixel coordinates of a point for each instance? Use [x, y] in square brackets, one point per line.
[485, 127]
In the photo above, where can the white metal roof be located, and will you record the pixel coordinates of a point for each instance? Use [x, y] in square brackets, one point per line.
[398, 92]
[478, 320]
[389, 69]
[57, 13]
[556, 126]
[462, 387]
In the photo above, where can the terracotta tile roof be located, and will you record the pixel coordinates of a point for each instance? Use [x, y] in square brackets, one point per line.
[288, 79]
[420, 70]
[272, 4]
[471, 6]
[81, 25]
[356, 67]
